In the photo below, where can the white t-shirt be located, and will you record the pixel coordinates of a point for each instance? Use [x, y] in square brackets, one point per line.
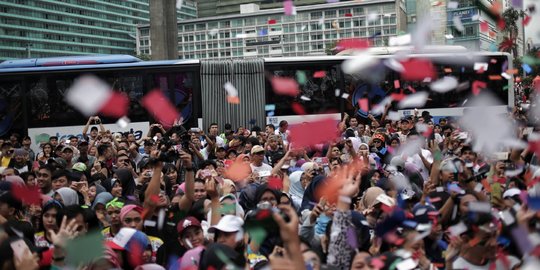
[262, 168]
[417, 161]
[461, 263]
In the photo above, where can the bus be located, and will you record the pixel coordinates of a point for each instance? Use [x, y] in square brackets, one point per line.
[32, 90]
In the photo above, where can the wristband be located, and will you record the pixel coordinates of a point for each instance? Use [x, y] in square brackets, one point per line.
[345, 199]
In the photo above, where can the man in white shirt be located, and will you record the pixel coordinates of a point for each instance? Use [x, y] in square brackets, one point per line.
[283, 131]
[214, 131]
[257, 165]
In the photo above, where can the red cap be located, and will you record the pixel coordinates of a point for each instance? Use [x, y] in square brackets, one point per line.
[187, 222]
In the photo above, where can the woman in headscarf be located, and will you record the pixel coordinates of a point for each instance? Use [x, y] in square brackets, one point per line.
[51, 217]
[297, 189]
[94, 189]
[131, 217]
[113, 186]
[67, 196]
[229, 206]
[128, 184]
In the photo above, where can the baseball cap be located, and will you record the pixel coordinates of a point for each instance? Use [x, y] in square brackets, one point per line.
[79, 166]
[67, 147]
[379, 136]
[128, 239]
[228, 223]
[424, 214]
[187, 222]
[257, 149]
[511, 192]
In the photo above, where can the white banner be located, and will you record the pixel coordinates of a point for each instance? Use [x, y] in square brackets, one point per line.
[40, 135]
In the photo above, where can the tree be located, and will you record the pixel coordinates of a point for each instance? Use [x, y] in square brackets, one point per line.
[144, 57]
[510, 17]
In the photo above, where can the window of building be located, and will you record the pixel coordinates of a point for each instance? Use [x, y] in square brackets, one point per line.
[316, 15]
[330, 14]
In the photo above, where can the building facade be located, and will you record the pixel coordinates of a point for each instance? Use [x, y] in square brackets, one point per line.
[314, 30]
[44, 28]
[211, 8]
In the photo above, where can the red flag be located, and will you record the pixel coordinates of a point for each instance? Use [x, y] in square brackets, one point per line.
[160, 107]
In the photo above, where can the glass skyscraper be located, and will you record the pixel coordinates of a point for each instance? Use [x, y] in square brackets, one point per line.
[44, 28]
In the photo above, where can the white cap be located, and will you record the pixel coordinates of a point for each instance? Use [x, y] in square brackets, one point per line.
[511, 192]
[229, 223]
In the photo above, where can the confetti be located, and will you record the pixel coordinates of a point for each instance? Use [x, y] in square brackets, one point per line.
[521, 239]
[484, 26]
[457, 229]
[85, 249]
[123, 122]
[417, 100]
[275, 183]
[213, 32]
[372, 17]
[494, 77]
[179, 4]
[480, 207]
[446, 84]
[288, 8]
[29, 195]
[298, 108]
[160, 107]
[477, 86]
[527, 68]
[231, 90]
[305, 98]
[237, 171]
[285, 86]
[458, 24]
[518, 4]
[301, 77]
[345, 96]
[273, 21]
[363, 103]
[481, 66]
[397, 84]
[417, 69]
[353, 43]
[319, 74]
[359, 63]
[401, 40]
[88, 94]
[352, 239]
[526, 20]
[302, 135]
[452, 5]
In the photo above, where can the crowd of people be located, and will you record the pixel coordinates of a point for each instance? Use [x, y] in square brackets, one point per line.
[399, 194]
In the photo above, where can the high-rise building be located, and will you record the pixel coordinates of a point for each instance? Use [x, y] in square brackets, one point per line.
[34, 28]
[255, 32]
[210, 8]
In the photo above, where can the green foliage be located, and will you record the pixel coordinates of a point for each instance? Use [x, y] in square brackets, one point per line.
[144, 57]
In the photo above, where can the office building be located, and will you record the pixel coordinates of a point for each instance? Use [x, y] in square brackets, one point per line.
[211, 8]
[256, 32]
[34, 28]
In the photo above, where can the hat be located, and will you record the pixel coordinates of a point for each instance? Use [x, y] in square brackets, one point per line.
[379, 136]
[511, 192]
[67, 147]
[187, 222]
[424, 214]
[93, 128]
[221, 148]
[228, 223]
[20, 152]
[257, 149]
[83, 143]
[79, 166]
[129, 239]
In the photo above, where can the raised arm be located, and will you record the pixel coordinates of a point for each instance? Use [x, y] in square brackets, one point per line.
[186, 200]
[85, 129]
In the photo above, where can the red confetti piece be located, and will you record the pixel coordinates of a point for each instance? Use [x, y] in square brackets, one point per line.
[298, 108]
[526, 20]
[319, 74]
[29, 195]
[272, 21]
[397, 97]
[330, 189]
[353, 43]
[237, 171]
[285, 86]
[411, 89]
[486, 185]
[501, 24]
[477, 86]
[116, 106]
[348, 15]
[434, 199]
[263, 214]
[233, 100]
[484, 27]
[302, 135]
[417, 70]
[160, 107]
[275, 183]
[397, 84]
[495, 77]
[135, 254]
[364, 104]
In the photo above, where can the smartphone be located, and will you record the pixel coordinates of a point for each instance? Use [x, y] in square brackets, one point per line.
[195, 130]
[19, 247]
[206, 173]
[253, 134]
[177, 148]
[501, 155]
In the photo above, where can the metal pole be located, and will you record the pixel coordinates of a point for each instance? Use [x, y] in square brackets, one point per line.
[28, 52]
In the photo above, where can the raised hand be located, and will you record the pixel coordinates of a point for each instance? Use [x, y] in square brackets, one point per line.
[288, 230]
[211, 189]
[66, 232]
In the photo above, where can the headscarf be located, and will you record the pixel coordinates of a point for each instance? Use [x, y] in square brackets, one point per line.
[102, 198]
[369, 198]
[191, 258]
[296, 190]
[15, 179]
[128, 208]
[238, 211]
[69, 196]
[309, 199]
[262, 189]
[99, 188]
[126, 178]
[108, 184]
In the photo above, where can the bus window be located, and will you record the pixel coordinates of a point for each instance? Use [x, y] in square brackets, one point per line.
[318, 83]
[11, 104]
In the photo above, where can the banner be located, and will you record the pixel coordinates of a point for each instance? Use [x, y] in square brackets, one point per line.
[41, 135]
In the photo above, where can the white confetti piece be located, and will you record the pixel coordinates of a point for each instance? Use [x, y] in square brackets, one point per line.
[344, 96]
[480, 207]
[421, 127]
[401, 40]
[445, 84]
[457, 229]
[88, 94]
[359, 63]
[336, 92]
[372, 17]
[478, 66]
[213, 32]
[507, 217]
[321, 21]
[231, 90]
[407, 264]
[417, 100]
[449, 36]
[458, 24]
[241, 35]
[394, 65]
[506, 75]
[305, 98]
[123, 122]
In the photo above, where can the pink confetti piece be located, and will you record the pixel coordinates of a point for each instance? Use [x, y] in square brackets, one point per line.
[417, 70]
[272, 21]
[298, 108]
[302, 135]
[319, 74]
[364, 104]
[484, 26]
[285, 86]
[116, 106]
[160, 107]
[288, 7]
[397, 84]
[477, 86]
